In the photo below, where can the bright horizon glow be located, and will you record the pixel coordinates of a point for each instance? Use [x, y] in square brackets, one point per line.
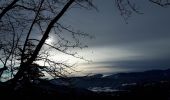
[106, 53]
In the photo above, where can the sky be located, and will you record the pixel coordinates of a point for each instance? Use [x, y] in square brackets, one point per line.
[141, 44]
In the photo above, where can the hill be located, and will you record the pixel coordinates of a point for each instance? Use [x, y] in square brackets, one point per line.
[153, 84]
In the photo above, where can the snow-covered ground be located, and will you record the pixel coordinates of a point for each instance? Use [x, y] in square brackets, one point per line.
[102, 89]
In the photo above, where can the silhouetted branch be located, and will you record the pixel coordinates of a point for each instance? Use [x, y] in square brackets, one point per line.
[64, 51]
[10, 6]
[126, 8]
[162, 3]
[29, 32]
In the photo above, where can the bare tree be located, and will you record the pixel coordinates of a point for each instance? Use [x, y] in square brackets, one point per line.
[25, 25]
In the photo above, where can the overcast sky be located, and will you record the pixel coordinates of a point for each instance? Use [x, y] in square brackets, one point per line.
[142, 44]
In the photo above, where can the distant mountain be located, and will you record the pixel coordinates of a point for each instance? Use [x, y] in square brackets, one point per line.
[151, 75]
[115, 81]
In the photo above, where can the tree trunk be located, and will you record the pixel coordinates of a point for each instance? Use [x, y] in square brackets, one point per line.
[24, 67]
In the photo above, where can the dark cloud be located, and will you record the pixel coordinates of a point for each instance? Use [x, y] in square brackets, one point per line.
[146, 37]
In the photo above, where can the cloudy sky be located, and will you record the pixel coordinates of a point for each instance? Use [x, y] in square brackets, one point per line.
[142, 44]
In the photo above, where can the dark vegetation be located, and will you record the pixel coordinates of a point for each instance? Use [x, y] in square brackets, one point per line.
[154, 89]
[43, 89]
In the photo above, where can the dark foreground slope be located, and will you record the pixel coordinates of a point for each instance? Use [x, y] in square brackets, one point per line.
[158, 91]
[44, 89]
[150, 85]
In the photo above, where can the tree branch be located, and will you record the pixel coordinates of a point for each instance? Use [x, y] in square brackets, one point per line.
[10, 6]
